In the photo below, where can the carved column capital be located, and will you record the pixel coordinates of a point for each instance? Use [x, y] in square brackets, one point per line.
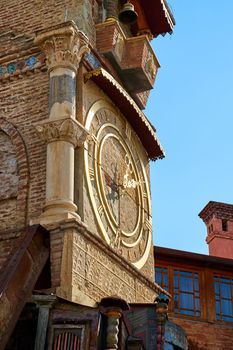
[66, 129]
[64, 46]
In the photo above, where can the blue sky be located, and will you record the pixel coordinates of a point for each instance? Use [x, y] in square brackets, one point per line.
[191, 107]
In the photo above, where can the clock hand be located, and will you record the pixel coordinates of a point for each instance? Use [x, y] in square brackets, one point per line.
[112, 184]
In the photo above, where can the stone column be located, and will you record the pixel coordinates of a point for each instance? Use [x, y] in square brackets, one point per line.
[64, 46]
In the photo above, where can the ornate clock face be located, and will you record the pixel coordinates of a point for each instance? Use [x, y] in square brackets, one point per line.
[117, 184]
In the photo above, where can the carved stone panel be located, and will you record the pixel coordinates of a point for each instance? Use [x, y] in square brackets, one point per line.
[97, 271]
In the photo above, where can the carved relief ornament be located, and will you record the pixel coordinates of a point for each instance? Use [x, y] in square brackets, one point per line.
[62, 130]
[63, 45]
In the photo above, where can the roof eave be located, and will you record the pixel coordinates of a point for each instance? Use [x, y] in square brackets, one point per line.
[131, 111]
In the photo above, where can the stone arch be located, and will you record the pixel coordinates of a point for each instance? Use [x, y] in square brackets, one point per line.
[14, 195]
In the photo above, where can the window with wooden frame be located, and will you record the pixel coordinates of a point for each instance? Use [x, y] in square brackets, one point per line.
[184, 286]
[161, 277]
[186, 292]
[223, 290]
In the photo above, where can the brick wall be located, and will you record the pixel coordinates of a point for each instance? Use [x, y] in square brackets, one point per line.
[207, 335]
[23, 155]
[24, 101]
[25, 17]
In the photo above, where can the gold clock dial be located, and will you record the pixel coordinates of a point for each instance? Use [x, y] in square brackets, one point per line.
[117, 183]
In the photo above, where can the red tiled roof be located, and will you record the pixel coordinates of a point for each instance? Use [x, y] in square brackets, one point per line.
[159, 16]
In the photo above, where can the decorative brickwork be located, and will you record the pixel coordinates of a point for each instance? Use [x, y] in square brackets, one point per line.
[19, 67]
[24, 101]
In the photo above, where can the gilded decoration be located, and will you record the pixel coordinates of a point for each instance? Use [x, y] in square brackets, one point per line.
[62, 130]
[117, 183]
[64, 46]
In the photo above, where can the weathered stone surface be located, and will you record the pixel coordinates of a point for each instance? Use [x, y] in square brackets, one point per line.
[91, 270]
[9, 178]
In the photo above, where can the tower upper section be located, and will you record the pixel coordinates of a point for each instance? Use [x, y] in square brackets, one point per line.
[218, 218]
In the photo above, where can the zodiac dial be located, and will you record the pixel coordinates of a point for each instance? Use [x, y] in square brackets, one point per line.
[117, 183]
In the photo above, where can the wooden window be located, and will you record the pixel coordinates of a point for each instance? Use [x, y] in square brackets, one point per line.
[184, 286]
[186, 292]
[223, 290]
[161, 277]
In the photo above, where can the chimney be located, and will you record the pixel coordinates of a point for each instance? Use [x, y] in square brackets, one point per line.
[218, 218]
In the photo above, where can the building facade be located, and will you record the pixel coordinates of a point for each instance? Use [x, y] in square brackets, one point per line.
[75, 207]
[202, 285]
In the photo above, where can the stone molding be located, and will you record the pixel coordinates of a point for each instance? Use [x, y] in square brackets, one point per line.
[64, 46]
[67, 129]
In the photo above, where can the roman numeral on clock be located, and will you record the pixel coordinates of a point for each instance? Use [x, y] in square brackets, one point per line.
[100, 210]
[94, 138]
[98, 119]
[148, 225]
[102, 115]
[128, 131]
[92, 174]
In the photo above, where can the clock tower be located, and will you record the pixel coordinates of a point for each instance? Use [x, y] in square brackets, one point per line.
[78, 159]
